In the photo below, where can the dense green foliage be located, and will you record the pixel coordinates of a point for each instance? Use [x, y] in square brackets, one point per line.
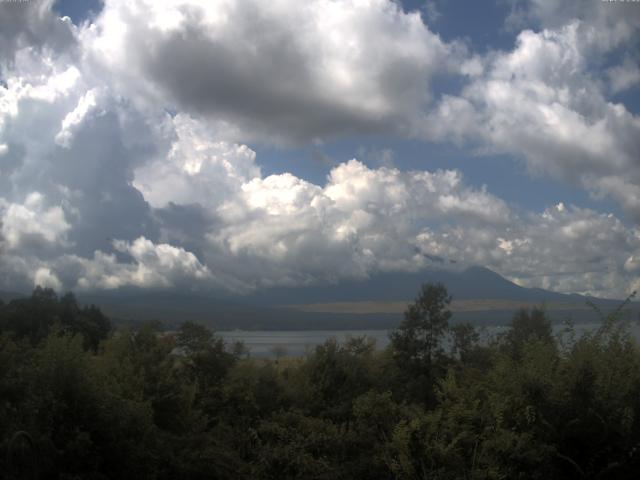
[78, 400]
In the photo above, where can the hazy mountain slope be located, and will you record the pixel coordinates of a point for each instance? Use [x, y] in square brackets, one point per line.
[285, 307]
[471, 283]
[8, 296]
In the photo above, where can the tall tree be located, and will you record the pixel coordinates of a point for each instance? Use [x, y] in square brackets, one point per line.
[417, 339]
[528, 326]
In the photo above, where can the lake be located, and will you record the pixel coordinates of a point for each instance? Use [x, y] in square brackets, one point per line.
[261, 343]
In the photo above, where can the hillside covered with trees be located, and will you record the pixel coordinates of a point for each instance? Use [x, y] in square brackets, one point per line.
[80, 399]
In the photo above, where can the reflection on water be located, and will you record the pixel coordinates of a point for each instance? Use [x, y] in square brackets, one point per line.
[263, 343]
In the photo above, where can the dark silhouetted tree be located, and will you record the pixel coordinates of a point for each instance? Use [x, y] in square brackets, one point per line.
[464, 339]
[417, 342]
[528, 326]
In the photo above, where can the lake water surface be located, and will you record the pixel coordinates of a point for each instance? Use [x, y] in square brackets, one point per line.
[264, 343]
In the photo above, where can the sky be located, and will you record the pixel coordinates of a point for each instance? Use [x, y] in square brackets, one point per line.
[229, 146]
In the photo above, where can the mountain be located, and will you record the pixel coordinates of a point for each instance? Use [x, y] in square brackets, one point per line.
[471, 283]
[6, 296]
[480, 295]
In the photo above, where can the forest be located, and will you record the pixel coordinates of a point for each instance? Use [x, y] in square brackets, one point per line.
[81, 399]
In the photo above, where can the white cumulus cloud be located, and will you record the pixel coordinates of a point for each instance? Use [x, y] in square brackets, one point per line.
[542, 102]
[23, 225]
[128, 145]
[280, 71]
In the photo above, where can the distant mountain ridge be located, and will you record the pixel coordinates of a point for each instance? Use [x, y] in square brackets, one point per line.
[6, 296]
[302, 308]
[471, 283]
